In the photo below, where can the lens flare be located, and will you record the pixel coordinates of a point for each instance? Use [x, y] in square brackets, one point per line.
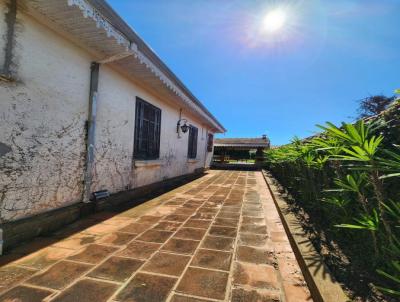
[274, 20]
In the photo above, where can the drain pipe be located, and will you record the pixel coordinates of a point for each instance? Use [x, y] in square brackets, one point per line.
[11, 19]
[91, 128]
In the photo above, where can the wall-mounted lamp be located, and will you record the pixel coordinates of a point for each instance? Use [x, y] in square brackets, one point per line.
[181, 125]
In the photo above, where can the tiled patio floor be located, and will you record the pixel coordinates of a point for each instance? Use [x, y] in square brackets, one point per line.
[218, 238]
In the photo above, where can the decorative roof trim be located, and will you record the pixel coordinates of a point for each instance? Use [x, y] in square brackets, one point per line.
[89, 11]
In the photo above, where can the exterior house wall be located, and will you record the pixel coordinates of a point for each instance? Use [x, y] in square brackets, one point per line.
[42, 120]
[115, 169]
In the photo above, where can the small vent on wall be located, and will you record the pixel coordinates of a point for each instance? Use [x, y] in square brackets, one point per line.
[100, 195]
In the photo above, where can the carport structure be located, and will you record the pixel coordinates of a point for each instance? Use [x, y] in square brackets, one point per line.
[238, 149]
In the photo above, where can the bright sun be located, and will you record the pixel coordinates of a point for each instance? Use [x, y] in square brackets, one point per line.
[274, 20]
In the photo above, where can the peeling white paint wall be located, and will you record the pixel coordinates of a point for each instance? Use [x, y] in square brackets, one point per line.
[114, 167]
[42, 121]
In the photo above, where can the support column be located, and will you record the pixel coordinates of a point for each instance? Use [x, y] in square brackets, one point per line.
[91, 129]
[259, 156]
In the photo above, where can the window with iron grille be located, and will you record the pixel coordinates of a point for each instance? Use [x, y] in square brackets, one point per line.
[147, 130]
[192, 150]
[210, 142]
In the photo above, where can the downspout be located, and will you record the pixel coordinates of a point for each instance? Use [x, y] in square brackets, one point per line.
[91, 129]
[205, 150]
[10, 19]
[91, 121]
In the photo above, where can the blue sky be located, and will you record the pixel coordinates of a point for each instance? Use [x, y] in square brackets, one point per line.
[328, 55]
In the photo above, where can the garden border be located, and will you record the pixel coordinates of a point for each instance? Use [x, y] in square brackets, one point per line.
[321, 283]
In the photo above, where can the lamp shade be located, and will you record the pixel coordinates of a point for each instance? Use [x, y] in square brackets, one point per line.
[184, 128]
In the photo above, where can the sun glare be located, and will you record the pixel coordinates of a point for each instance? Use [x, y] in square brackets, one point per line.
[274, 20]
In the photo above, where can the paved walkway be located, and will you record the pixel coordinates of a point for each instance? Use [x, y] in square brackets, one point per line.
[218, 238]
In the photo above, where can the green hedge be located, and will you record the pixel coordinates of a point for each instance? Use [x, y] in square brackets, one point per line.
[347, 179]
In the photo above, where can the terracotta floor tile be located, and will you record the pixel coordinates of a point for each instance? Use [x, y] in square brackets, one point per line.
[167, 226]
[184, 211]
[231, 209]
[156, 236]
[87, 290]
[11, 275]
[197, 223]
[118, 220]
[102, 229]
[25, 294]
[191, 205]
[258, 214]
[223, 231]
[253, 220]
[117, 238]
[208, 210]
[148, 219]
[173, 203]
[204, 216]
[181, 246]
[176, 218]
[146, 288]
[226, 222]
[44, 258]
[77, 242]
[253, 239]
[139, 250]
[212, 259]
[167, 264]
[93, 253]
[290, 270]
[253, 229]
[135, 228]
[190, 233]
[255, 255]
[251, 295]
[203, 283]
[116, 269]
[229, 215]
[59, 275]
[179, 298]
[279, 237]
[218, 243]
[252, 208]
[255, 275]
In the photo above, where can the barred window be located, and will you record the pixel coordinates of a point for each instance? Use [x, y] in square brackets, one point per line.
[192, 150]
[147, 130]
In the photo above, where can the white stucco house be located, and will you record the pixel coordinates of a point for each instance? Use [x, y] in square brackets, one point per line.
[86, 105]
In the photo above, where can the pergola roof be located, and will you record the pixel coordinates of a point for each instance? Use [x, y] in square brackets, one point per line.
[242, 142]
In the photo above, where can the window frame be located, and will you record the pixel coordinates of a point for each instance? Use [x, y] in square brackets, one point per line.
[193, 140]
[140, 120]
[210, 142]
